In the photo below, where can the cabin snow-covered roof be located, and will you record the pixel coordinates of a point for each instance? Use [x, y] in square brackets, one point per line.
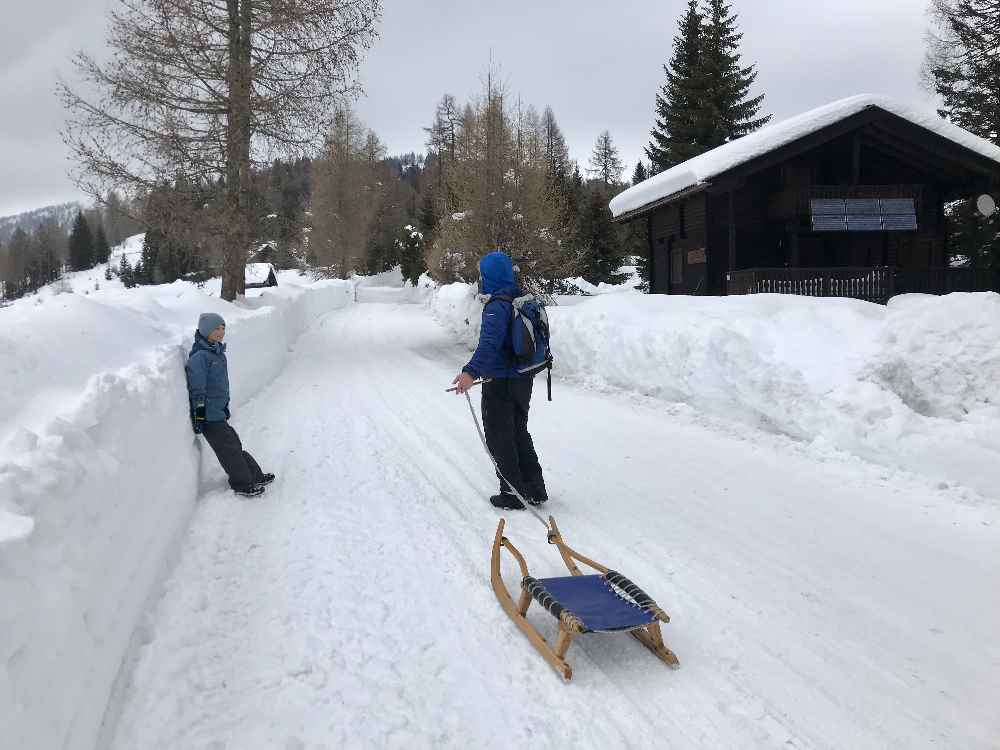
[701, 169]
[258, 272]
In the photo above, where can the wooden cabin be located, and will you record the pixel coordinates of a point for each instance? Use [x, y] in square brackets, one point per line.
[846, 200]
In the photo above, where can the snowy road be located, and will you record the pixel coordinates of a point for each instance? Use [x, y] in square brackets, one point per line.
[815, 604]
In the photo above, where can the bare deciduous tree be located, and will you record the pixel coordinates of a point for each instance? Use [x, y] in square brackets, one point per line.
[605, 163]
[198, 90]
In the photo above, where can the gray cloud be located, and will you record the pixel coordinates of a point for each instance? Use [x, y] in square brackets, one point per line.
[598, 64]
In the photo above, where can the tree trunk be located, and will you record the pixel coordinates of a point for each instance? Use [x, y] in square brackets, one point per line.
[237, 152]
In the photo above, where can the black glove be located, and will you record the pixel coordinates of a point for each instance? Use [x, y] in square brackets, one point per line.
[198, 418]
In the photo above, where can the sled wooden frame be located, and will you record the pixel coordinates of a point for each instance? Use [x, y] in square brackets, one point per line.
[569, 625]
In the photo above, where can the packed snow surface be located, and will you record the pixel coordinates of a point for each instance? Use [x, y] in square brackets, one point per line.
[703, 168]
[806, 486]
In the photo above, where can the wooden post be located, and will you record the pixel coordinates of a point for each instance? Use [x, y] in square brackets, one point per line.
[732, 232]
[523, 603]
[856, 160]
[651, 250]
[796, 253]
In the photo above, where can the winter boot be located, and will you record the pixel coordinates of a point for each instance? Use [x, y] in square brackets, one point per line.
[252, 491]
[507, 501]
[536, 492]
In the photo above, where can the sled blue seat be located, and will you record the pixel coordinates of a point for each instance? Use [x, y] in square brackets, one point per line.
[604, 603]
[591, 598]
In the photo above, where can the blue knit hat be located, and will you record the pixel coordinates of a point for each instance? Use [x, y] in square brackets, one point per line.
[208, 322]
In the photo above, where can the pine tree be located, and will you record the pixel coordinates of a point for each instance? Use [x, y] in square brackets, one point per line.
[636, 240]
[411, 253]
[733, 112]
[678, 135]
[102, 250]
[81, 244]
[963, 68]
[125, 272]
[605, 164]
[556, 152]
[705, 101]
[48, 243]
[963, 64]
[639, 174]
[599, 240]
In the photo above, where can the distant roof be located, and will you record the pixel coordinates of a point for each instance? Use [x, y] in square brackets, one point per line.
[699, 170]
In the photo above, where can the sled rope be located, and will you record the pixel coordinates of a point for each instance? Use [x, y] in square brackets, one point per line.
[513, 489]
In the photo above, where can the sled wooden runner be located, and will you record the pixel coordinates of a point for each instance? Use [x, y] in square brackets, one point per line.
[602, 603]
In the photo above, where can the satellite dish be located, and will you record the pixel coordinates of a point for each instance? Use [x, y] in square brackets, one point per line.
[986, 205]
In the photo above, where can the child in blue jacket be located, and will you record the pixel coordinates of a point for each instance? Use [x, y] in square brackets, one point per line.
[507, 394]
[208, 390]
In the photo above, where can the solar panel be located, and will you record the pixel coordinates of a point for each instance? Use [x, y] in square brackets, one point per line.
[900, 222]
[898, 206]
[827, 206]
[827, 223]
[864, 223]
[857, 206]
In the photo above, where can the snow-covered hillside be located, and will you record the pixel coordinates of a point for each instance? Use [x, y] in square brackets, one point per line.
[63, 214]
[806, 486]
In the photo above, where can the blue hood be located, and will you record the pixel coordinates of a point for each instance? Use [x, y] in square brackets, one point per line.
[497, 272]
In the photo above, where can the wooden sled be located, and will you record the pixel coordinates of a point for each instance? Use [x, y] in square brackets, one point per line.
[607, 602]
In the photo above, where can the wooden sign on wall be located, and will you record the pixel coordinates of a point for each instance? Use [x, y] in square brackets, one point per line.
[696, 257]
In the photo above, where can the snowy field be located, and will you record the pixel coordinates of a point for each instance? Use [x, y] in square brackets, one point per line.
[806, 486]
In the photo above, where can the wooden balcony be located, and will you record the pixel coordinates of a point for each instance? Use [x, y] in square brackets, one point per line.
[873, 284]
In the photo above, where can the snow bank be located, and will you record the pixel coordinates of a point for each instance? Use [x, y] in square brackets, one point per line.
[914, 385]
[99, 472]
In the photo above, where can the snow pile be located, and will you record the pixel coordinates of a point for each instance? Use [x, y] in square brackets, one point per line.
[458, 309]
[258, 273]
[390, 286]
[99, 472]
[703, 168]
[914, 385]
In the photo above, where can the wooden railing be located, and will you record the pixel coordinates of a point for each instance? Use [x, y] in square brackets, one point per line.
[874, 284]
[947, 280]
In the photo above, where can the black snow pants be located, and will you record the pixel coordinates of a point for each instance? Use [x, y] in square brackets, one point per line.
[241, 467]
[505, 422]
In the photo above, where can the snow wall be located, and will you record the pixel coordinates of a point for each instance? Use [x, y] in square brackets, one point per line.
[913, 386]
[99, 472]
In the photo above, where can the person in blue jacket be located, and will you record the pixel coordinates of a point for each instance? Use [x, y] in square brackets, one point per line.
[506, 394]
[208, 390]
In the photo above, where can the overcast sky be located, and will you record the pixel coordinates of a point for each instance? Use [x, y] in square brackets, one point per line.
[598, 64]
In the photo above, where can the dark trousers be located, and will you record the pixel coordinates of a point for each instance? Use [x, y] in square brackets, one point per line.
[241, 467]
[505, 422]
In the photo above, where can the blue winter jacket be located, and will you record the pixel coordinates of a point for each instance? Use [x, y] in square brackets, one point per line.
[208, 378]
[494, 357]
